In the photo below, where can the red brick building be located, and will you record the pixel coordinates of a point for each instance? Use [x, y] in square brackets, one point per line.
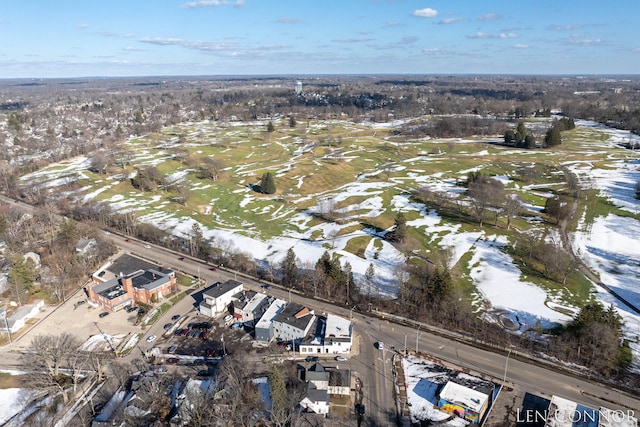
[126, 290]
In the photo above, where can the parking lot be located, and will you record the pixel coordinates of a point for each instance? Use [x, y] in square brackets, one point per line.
[78, 318]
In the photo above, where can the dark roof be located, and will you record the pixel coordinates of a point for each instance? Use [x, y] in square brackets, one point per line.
[218, 289]
[110, 289]
[149, 280]
[288, 316]
[317, 395]
[128, 264]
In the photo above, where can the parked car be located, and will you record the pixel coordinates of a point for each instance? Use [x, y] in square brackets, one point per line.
[167, 326]
[151, 338]
[311, 359]
[130, 308]
[103, 314]
[172, 349]
[341, 358]
[379, 345]
[265, 286]
[175, 317]
[81, 302]
[173, 360]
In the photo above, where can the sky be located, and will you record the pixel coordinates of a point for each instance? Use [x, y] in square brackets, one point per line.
[73, 38]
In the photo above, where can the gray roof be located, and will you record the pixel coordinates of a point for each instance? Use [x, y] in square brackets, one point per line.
[218, 289]
[149, 280]
[127, 264]
[288, 316]
[315, 395]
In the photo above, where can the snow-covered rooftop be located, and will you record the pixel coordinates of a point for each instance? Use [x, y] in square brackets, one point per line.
[337, 326]
[464, 396]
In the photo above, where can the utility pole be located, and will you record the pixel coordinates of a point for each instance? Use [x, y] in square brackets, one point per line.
[417, 335]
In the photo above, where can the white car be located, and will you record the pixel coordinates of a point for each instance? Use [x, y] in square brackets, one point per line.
[379, 345]
[341, 358]
[147, 247]
[151, 338]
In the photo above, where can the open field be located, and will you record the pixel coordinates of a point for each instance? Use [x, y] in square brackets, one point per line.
[362, 175]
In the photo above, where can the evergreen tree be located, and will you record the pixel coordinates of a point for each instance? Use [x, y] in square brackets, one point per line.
[270, 127]
[289, 269]
[399, 233]
[553, 138]
[292, 122]
[267, 183]
[529, 141]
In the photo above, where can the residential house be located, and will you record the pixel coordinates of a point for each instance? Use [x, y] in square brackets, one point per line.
[321, 384]
[145, 286]
[317, 398]
[218, 297]
[293, 323]
[264, 327]
[19, 318]
[86, 247]
[333, 335]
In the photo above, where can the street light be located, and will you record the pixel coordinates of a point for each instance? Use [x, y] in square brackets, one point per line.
[506, 363]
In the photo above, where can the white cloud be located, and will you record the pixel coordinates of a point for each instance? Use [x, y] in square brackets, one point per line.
[490, 17]
[207, 3]
[392, 24]
[481, 35]
[425, 13]
[521, 46]
[430, 50]
[82, 26]
[586, 42]
[564, 27]
[450, 20]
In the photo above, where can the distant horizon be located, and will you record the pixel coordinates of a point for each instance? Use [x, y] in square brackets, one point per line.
[119, 38]
[302, 76]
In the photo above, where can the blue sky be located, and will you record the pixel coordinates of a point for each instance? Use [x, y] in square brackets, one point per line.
[72, 38]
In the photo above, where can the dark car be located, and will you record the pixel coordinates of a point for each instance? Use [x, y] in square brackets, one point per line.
[175, 317]
[167, 326]
[311, 359]
[81, 302]
[103, 314]
[172, 349]
[173, 360]
[265, 286]
[130, 308]
[127, 240]
[212, 268]
[181, 258]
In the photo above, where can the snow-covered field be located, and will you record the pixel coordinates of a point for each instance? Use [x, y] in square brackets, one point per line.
[609, 245]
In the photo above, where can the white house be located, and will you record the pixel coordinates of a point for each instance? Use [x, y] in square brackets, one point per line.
[19, 318]
[317, 399]
[333, 335]
[218, 297]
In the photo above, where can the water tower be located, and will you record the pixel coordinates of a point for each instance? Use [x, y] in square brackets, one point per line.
[298, 87]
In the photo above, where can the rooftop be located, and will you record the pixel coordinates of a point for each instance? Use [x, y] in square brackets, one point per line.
[337, 327]
[274, 309]
[296, 315]
[218, 289]
[463, 396]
